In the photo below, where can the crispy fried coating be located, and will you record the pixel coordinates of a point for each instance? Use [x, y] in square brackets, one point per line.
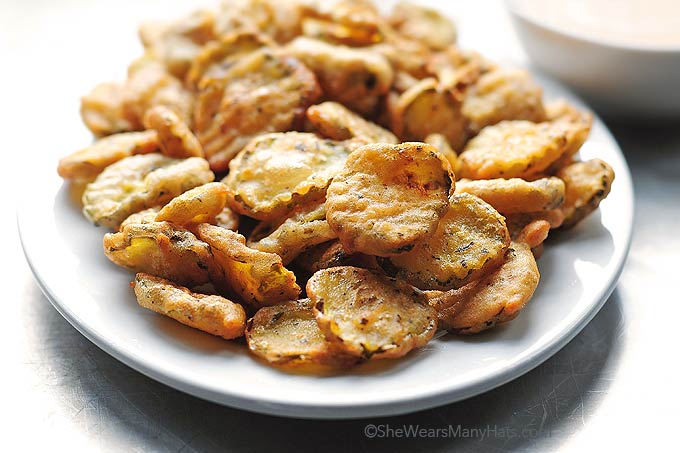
[517, 221]
[177, 44]
[497, 298]
[517, 149]
[259, 278]
[336, 33]
[139, 182]
[216, 57]
[337, 122]
[388, 197]
[148, 85]
[261, 92]
[277, 172]
[576, 123]
[141, 217]
[587, 184]
[470, 240]
[288, 333]
[353, 77]
[198, 205]
[304, 229]
[427, 108]
[423, 24]
[351, 22]
[161, 249]
[280, 20]
[440, 142]
[514, 195]
[102, 110]
[369, 315]
[503, 94]
[209, 313]
[533, 234]
[175, 137]
[87, 163]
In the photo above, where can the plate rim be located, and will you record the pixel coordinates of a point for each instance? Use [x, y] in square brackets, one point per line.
[387, 406]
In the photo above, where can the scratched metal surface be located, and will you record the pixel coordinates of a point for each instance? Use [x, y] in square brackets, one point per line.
[611, 387]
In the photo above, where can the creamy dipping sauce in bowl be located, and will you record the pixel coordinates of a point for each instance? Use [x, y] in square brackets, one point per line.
[622, 55]
[653, 23]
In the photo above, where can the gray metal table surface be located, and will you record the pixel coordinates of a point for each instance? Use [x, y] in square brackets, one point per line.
[611, 387]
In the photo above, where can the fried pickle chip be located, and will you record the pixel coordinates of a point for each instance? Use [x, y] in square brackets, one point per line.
[277, 172]
[587, 184]
[261, 92]
[353, 77]
[175, 137]
[388, 197]
[198, 205]
[141, 217]
[216, 57]
[440, 142]
[350, 22]
[161, 249]
[514, 195]
[503, 94]
[179, 43]
[427, 108]
[517, 149]
[337, 122]
[139, 182]
[336, 33]
[496, 298]
[423, 24]
[102, 110]
[209, 313]
[87, 163]
[148, 85]
[369, 315]
[577, 125]
[470, 240]
[304, 229]
[257, 277]
[289, 334]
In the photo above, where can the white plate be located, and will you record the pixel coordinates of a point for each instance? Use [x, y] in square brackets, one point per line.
[579, 270]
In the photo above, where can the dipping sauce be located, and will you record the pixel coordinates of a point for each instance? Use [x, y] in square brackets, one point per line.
[649, 23]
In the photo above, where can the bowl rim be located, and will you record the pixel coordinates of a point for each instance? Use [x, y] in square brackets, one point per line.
[516, 10]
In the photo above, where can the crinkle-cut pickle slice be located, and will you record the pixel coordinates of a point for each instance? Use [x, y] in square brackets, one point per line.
[139, 182]
[509, 196]
[88, 162]
[587, 184]
[209, 313]
[470, 240]
[288, 333]
[277, 172]
[161, 249]
[497, 298]
[516, 149]
[198, 205]
[259, 278]
[369, 315]
[388, 197]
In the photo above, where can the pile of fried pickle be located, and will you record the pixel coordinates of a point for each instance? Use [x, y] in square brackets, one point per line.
[376, 182]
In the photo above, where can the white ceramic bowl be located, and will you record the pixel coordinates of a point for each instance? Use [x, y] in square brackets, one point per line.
[617, 79]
